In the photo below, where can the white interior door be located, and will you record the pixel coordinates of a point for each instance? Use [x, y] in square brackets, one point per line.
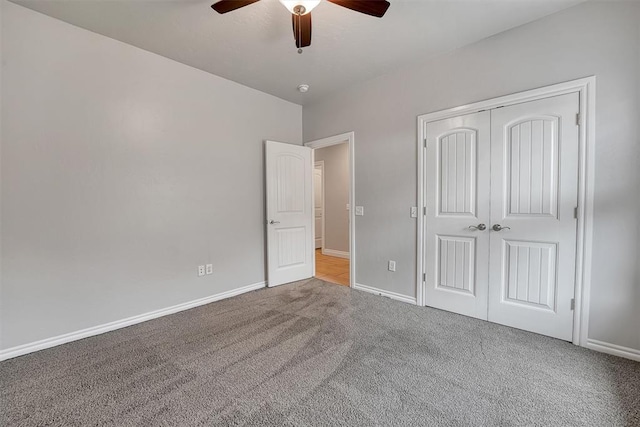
[534, 190]
[457, 220]
[318, 203]
[290, 238]
[512, 172]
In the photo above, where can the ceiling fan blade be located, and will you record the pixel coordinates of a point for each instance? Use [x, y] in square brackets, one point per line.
[375, 8]
[302, 29]
[224, 6]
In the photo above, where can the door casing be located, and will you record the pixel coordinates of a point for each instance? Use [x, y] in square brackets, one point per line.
[319, 165]
[586, 163]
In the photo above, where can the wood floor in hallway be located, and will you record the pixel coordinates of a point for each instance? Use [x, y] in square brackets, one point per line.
[332, 269]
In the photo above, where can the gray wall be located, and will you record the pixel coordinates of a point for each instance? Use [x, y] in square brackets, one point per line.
[599, 39]
[121, 172]
[336, 193]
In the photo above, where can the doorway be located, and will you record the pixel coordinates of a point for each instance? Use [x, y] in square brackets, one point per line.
[500, 224]
[333, 216]
[506, 199]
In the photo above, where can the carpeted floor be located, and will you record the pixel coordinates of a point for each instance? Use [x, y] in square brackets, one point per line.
[312, 353]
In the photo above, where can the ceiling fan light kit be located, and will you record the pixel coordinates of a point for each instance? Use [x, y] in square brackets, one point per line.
[300, 6]
[301, 13]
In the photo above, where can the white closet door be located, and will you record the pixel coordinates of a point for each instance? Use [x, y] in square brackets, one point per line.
[534, 187]
[289, 213]
[457, 194]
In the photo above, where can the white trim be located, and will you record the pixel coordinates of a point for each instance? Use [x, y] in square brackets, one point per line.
[333, 252]
[422, 201]
[616, 350]
[118, 324]
[313, 223]
[586, 196]
[320, 164]
[383, 293]
[349, 137]
[586, 88]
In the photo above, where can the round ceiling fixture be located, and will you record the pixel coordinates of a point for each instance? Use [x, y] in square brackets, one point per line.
[303, 88]
[301, 7]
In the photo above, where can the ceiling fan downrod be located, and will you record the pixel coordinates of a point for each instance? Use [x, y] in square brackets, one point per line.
[299, 10]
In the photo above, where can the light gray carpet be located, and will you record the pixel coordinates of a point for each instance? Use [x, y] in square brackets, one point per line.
[313, 353]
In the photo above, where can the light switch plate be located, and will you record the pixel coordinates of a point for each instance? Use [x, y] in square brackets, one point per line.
[209, 268]
[414, 212]
[360, 210]
[392, 265]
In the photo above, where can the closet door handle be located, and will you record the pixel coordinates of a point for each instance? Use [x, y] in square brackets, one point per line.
[480, 227]
[498, 227]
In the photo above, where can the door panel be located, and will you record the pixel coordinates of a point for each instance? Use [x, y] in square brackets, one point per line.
[532, 167]
[534, 187]
[456, 269]
[530, 273]
[457, 158]
[289, 213]
[457, 188]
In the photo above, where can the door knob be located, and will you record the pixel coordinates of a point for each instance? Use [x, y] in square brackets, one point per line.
[480, 227]
[498, 227]
[274, 222]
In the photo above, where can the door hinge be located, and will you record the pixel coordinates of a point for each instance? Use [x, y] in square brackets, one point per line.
[425, 210]
[424, 277]
[578, 119]
[573, 304]
[425, 143]
[575, 213]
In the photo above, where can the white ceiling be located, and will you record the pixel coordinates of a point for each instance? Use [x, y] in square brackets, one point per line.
[254, 45]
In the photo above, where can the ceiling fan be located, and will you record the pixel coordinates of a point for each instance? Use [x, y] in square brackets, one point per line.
[301, 13]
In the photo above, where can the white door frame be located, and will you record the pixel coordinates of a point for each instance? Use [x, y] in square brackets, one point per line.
[586, 164]
[320, 164]
[348, 138]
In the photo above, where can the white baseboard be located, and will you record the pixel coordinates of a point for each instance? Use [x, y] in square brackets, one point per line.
[333, 252]
[118, 324]
[388, 294]
[616, 350]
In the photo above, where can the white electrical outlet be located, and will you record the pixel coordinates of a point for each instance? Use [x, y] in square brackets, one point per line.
[414, 212]
[201, 270]
[360, 210]
[209, 268]
[392, 266]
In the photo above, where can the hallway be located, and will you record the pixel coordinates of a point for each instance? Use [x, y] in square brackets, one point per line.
[332, 269]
